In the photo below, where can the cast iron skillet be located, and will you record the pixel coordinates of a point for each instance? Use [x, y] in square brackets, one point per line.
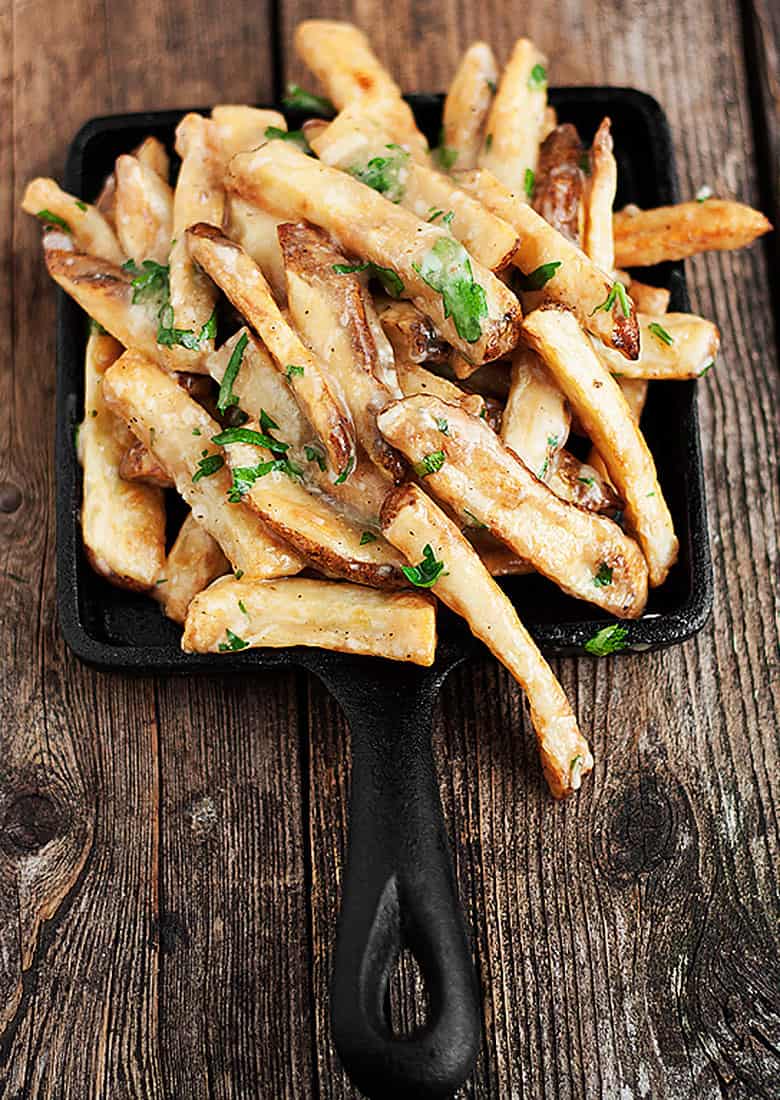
[399, 889]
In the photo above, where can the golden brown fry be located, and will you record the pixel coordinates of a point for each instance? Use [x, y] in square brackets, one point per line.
[601, 408]
[139, 464]
[577, 283]
[241, 127]
[328, 540]
[467, 105]
[152, 154]
[412, 334]
[550, 122]
[342, 59]
[328, 614]
[499, 560]
[246, 287]
[478, 473]
[194, 561]
[559, 184]
[329, 311]
[284, 180]
[584, 484]
[90, 231]
[649, 299]
[143, 211]
[416, 379]
[413, 523]
[255, 230]
[179, 432]
[123, 524]
[536, 418]
[693, 348]
[600, 190]
[351, 142]
[516, 120]
[647, 237]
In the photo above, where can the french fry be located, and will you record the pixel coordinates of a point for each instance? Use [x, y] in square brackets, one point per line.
[241, 127]
[364, 150]
[514, 127]
[550, 122]
[139, 464]
[482, 321]
[499, 560]
[647, 237]
[89, 230]
[341, 58]
[416, 379]
[178, 431]
[635, 392]
[246, 287]
[536, 417]
[143, 211]
[329, 311]
[601, 408]
[199, 197]
[479, 475]
[255, 230]
[576, 283]
[467, 105]
[328, 540]
[412, 334]
[584, 484]
[123, 524]
[674, 345]
[600, 189]
[558, 185]
[330, 615]
[194, 561]
[259, 387]
[413, 523]
[649, 299]
[151, 153]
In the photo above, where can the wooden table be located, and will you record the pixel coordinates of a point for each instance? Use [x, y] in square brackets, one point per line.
[171, 851]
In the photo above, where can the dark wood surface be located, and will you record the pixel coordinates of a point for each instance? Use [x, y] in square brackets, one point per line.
[171, 851]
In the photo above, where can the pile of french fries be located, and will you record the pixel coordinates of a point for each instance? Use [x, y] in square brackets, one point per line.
[413, 340]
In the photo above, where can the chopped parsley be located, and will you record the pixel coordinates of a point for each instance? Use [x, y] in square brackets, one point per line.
[389, 279]
[168, 335]
[295, 137]
[427, 572]
[529, 182]
[443, 426]
[298, 99]
[444, 156]
[150, 280]
[539, 277]
[446, 219]
[151, 283]
[604, 576]
[610, 639]
[537, 79]
[575, 769]
[96, 329]
[248, 435]
[430, 464]
[242, 607]
[446, 268]
[488, 142]
[233, 643]
[83, 206]
[366, 537]
[196, 431]
[704, 370]
[492, 85]
[585, 163]
[586, 480]
[350, 466]
[314, 454]
[552, 443]
[617, 294]
[292, 371]
[660, 332]
[384, 174]
[474, 521]
[226, 396]
[238, 574]
[244, 477]
[208, 465]
[704, 193]
[48, 218]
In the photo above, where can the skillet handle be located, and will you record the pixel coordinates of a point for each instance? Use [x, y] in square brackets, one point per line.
[399, 892]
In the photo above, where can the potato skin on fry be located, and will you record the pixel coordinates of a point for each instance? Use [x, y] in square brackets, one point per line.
[647, 237]
[559, 183]
[90, 230]
[328, 614]
[694, 346]
[411, 521]
[564, 542]
[139, 464]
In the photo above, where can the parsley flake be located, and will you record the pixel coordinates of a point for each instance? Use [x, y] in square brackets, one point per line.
[427, 572]
[208, 465]
[292, 371]
[83, 206]
[314, 454]
[611, 639]
[298, 99]
[537, 79]
[366, 537]
[226, 396]
[384, 174]
[443, 426]
[660, 332]
[617, 294]
[242, 607]
[244, 477]
[233, 643]
[389, 279]
[248, 435]
[446, 268]
[54, 220]
[444, 156]
[604, 576]
[295, 137]
[529, 182]
[704, 370]
[539, 277]
[474, 521]
[350, 466]
[704, 193]
[430, 464]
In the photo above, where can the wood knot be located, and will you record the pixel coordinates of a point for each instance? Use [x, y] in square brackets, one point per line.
[642, 833]
[30, 823]
[10, 497]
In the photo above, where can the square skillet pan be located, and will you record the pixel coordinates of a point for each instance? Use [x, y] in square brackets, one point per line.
[398, 887]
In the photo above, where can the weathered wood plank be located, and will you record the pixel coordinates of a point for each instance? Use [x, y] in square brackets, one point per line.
[625, 940]
[159, 825]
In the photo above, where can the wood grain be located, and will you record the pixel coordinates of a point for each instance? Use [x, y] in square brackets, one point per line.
[626, 941]
[186, 847]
